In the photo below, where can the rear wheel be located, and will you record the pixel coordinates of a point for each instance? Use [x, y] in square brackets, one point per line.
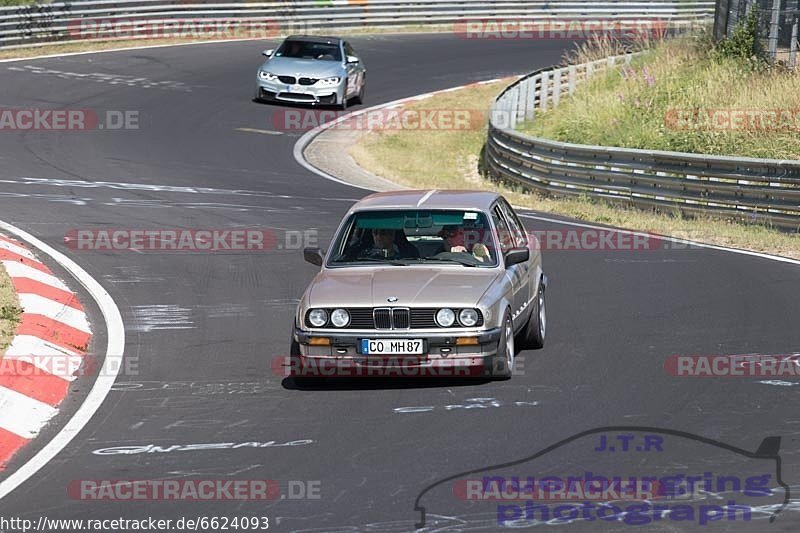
[503, 364]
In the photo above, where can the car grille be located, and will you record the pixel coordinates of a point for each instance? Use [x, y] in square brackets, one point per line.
[288, 79]
[308, 81]
[394, 318]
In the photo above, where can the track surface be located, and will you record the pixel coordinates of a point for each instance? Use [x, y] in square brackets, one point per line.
[202, 328]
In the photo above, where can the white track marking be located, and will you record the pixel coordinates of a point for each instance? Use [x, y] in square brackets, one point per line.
[22, 415]
[11, 247]
[45, 356]
[105, 380]
[39, 305]
[16, 269]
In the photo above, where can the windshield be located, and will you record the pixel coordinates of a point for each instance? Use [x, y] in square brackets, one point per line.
[310, 50]
[407, 237]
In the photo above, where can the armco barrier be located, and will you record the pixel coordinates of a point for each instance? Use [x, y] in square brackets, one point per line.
[56, 22]
[764, 190]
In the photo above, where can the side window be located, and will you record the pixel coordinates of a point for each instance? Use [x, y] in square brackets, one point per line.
[348, 50]
[503, 231]
[517, 229]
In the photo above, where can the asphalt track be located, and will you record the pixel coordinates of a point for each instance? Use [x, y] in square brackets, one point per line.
[201, 328]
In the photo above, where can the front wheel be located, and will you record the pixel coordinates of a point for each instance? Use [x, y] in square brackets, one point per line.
[503, 364]
[343, 103]
[360, 96]
[536, 328]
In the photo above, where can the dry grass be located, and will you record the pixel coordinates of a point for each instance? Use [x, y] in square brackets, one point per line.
[449, 159]
[9, 310]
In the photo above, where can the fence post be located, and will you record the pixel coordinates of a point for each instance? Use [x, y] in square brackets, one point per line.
[773, 29]
[543, 91]
[793, 46]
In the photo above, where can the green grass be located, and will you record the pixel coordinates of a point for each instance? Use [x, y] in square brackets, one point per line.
[637, 106]
[10, 310]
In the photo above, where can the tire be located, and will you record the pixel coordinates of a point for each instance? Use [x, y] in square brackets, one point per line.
[360, 97]
[343, 103]
[503, 363]
[535, 330]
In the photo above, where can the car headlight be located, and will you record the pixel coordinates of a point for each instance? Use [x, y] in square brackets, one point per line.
[329, 82]
[267, 76]
[340, 318]
[468, 317]
[318, 317]
[445, 317]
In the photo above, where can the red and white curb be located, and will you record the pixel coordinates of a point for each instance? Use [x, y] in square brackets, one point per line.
[48, 348]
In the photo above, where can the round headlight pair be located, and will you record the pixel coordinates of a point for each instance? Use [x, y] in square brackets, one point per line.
[446, 317]
[319, 317]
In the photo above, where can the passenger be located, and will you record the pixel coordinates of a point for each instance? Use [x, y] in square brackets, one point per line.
[453, 241]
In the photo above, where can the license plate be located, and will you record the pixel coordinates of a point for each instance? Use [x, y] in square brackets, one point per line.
[391, 346]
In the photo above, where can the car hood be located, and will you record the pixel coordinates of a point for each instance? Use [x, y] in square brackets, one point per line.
[412, 286]
[310, 68]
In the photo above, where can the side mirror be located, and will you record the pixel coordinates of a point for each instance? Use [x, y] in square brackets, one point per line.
[352, 59]
[516, 256]
[313, 256]
[267, 53]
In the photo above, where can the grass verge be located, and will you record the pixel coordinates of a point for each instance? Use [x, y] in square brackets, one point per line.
[450, 159]
[683, 95]
[10, 310]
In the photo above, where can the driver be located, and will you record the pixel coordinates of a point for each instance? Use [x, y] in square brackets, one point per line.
[384, 246]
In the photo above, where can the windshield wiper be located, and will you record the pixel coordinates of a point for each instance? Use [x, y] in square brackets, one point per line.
[445, 260]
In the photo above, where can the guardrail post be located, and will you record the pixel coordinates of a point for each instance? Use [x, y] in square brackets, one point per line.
[793, 46]
[543, 91]
[522, 108]
[572, 78]
[556, 86]
[530, 98]
[512, 108]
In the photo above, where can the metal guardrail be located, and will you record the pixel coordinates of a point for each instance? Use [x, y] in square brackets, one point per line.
[765, 190]
[65, 21]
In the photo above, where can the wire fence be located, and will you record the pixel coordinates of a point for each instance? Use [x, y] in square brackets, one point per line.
[777, 27]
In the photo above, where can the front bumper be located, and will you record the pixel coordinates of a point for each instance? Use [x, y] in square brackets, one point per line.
[302, 94]
[443, 355]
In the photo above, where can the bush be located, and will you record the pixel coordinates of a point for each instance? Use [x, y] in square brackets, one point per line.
[744, 44]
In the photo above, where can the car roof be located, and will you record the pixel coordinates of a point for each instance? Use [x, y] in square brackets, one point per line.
[428, 199]
[314, 39]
